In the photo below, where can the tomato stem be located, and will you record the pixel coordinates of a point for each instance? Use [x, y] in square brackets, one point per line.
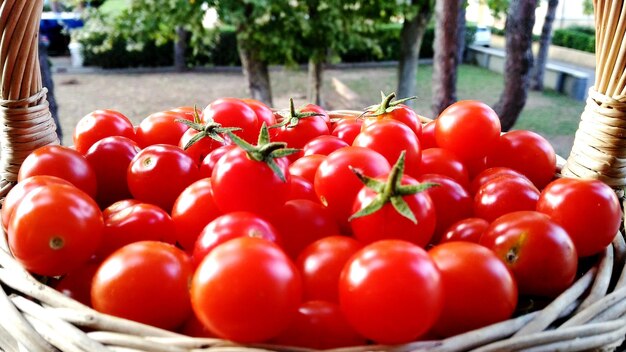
[56, 243]
[387, 105]
[293, 119]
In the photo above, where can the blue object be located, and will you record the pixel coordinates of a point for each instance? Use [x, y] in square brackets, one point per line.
[54, 27]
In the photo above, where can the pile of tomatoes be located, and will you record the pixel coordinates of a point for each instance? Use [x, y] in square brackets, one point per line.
[294, 228]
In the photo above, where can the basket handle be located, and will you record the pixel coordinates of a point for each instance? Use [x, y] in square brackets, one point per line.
[26, 120]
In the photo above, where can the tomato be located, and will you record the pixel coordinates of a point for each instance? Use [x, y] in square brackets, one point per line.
[187, 112]
[323, 145]
[62, 162]
[536, 249]
[55, 229]
[138, 222]
[17, 193]
[468, 128]
[301, 188]
[427, 139]
[388, 223]
[301, 222]
[147, 282]
[229, 226]
[320, 264]
[209, 161]
[504, 195]
[159, 173]
[526, 152]
[109, 158]
[391, 292]
[478, 289]
[347, 129]
[161, 128]
[469, 229]
[231, 112]
[200, 148]
[450, 200]
[192, 211]
[77, 284]
[390, 138]
[319, 325]
[588, 210]
[100, 124]
[306, 166]
[263, 112]
[337, 186]
[246, 290]
[443, 162]
[243, 184]
[297, 128]
[119, 206]
[323, 114]
[388, 110]
[193, 327]
[492, 173]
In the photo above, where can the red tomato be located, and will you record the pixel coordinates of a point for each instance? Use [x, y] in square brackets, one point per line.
[468, 128]
[209, 161]
[478, 289]
[229, 226]
[201, 148]
[119, 206]
[77, 284]
[193, 327]
[62, 162]
[469, 230]
[588, 210]
[504, 195]
[427, 140]
[246, 290]
[109, 158]
[298, 130]
[526, 152]
[263, 113]
[323, 114]
[159, 173]
[306, 166]
[302, 189]
[17, 193]
[451, 201]
[231, 112]
[391, 292]
[536, 249]
[492, 173]
[161, 128]
[192, 211]
[301, 222]
[319, 325]
[100, 124]
[243, 184]
[146, 282]
[187, 112]
[390, 138]
[388, 223]
[442, 162]
[321, 263]
[337, 186]
[55, 229]
[138, 222]
[401, 113]
[323, 145]
[347, 129]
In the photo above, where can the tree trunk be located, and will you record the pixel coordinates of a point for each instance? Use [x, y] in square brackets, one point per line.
[316, 73]
[461, 31]
[519, 60]
[256, 72]
[46, 77]
[446, 57]
[180, 46]
[544, 44]
[412, 33]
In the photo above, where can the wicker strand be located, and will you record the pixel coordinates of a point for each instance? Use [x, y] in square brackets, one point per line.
[603, 279]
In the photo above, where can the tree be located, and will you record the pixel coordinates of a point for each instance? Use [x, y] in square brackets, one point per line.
[417, 14]
[544, 45]
[447, 56]
[519, 60]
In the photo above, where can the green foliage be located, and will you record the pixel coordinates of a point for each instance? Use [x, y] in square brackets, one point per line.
[588, 7]
[498, 7]
[580, 38]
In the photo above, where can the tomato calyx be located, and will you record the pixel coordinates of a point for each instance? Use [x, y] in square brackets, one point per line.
[56, 243]
[293, 119]
[265, 151]
[387, 105]
[211, 129]
[390, 191]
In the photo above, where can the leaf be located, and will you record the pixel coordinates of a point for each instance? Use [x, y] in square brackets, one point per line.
[403, 209]
[375, 205]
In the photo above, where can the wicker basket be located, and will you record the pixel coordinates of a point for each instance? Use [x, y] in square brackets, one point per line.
[591, 315]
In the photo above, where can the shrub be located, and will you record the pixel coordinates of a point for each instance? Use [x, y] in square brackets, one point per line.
[579, 38]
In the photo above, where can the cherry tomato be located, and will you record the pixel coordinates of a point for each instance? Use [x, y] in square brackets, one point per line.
[400, 113]
[55, 229]
[192, 211]
[159, 173]
[209, 161]
[77, 284]
[492, 173]
[119, 206]
[263, 112]
[391, 292]
[321, 263]
[323, 114]
[427, 140]
[347, 129]
[536, 249]
[161, 128]
[109, 158]
[442, 162]
[306, 166]
[302, 189]
[468, 128]
[231, 112]
[147, 282]
[504, 195]
[299, 134]
[246, 290]
[100, 124]
[319, 325]
[62, 162]
[201, 148]
[323, 145]
[588, 210]
[526, 152]
[469, 229]
[478, 289]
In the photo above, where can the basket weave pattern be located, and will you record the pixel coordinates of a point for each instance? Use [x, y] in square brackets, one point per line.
[590, 315]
